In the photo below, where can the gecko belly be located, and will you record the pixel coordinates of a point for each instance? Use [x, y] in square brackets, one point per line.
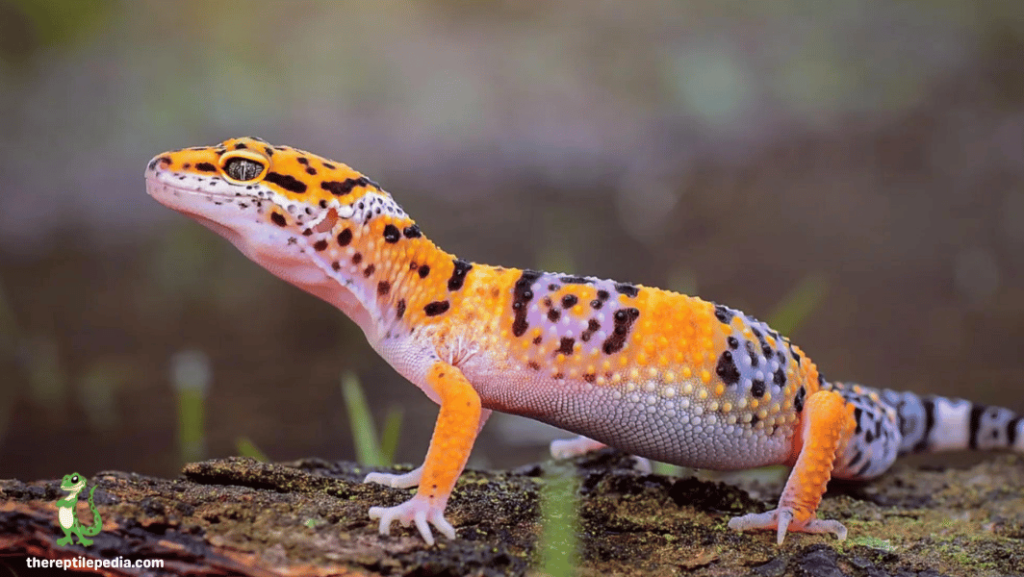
[678, 430]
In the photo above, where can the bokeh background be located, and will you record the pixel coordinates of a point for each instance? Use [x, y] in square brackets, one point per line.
[853, 168]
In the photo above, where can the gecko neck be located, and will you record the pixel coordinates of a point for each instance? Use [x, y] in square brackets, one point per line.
[385, 265]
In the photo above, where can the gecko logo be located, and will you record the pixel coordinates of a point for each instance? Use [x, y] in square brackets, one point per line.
[68, 517]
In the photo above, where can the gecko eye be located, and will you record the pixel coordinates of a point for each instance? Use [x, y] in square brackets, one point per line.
[242, 169]
[74, 479]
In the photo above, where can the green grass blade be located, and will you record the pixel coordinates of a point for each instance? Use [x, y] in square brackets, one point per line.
[364, 432]
[389, 436]
[798, 304]
[246, 448]
[559, 510]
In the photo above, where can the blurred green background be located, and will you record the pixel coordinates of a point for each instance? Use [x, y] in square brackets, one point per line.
[865, 156]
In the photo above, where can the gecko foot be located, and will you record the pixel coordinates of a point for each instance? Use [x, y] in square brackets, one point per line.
[782, 520]
[417, 510]
[403, 481]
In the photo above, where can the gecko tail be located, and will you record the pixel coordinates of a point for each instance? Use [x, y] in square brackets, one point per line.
[894, 423]
[932, 424]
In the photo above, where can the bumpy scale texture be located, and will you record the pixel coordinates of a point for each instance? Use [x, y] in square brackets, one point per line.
[655, 373]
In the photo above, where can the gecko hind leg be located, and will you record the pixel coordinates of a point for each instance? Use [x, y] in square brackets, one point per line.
[827, 426]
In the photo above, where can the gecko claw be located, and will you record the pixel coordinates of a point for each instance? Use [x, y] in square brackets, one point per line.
[783, 520]
[418, 511]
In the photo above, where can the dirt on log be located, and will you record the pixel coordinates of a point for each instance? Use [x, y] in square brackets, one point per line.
[240, 517]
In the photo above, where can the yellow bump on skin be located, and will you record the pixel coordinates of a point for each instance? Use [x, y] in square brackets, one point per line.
[688, 389]
[687, 373]
[703, 394]
[652, 373]
[705, 376]
[720, 389]
[727, 407]
[662, 361]
[669, 376]
[753, 404]
[601, 381]
[607, 365]
[713, 406]
[634, 375]
[616, 378]
[669, 392]
[561, 357]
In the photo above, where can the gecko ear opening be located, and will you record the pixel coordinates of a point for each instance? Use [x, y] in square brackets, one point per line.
[328, 221]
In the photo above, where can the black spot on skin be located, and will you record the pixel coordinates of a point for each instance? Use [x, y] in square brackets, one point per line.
[779, 378]
[278, 219]
[412, 231]
[521, 294]
[796, 355]
[558, 376]
[554, 315]
[436, 308]
[547, 302]
[400, 309]
[269, 150]
[565, 346]
[590, 377]
[929, 424]
[286, 181]
[976, 412]
[754, 419]
[391, 234]
[357, 258]
[343, 187]
[329, 166]
[310, 170]
[596, 304]
[723, 314]
[603, 295]
[323, 204]
[458, 274]
[424, 271]
[869, 436]
[624, 319]
[205, 167]
[753, 355]
[733, 343]
[309, 232]
[726, 369]
[383, 288]
[569, 301]
[592, 327]
[320, 245]
[798, 400]
[240, 146]
[538, 339]
[533, 365]
[857, 413]
[758, 388]
[553, 287]
[626, 289]
[302, 160]
[1011, 430]
[369, 271]
[336, 265]
[345, 237]
[767, 350]
[574, 280]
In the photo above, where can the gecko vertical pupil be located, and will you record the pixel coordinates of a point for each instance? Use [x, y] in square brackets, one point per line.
[243, 169]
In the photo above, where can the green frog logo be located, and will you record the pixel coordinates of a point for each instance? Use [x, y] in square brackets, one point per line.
[74, 484]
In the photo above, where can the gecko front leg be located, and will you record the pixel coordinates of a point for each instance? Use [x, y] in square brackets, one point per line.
[458, 423]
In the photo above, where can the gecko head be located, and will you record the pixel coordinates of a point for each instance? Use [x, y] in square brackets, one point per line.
[73, 482]
[297, 214]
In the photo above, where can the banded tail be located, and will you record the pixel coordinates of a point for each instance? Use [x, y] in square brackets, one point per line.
[893, 423]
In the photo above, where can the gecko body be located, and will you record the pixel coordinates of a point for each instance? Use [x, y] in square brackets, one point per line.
[656, 373]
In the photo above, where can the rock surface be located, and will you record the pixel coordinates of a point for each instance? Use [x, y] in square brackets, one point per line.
[240, 517]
